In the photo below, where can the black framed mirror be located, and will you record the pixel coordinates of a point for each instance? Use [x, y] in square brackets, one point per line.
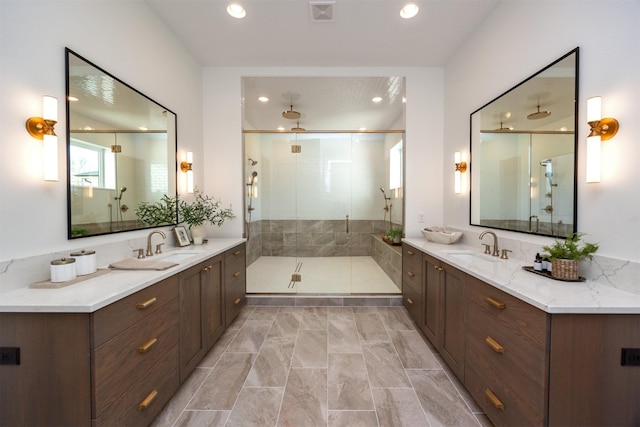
[524, 154]
[121, 151]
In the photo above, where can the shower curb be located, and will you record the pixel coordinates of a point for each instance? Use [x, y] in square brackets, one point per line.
[325, 300]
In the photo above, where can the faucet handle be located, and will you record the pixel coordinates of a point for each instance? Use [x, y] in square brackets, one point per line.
[140, 253]
[487, 248]
[504, 254]
[158, 249]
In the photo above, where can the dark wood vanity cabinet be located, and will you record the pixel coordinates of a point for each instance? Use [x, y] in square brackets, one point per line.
[412, 282]
[122, 363]
[443, 311]
[201, 312]
[235, 280]
[522, 365]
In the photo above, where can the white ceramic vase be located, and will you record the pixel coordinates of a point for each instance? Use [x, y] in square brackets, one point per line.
[197, 234]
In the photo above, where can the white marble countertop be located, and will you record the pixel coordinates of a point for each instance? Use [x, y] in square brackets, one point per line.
[92, 294]
[552, 296]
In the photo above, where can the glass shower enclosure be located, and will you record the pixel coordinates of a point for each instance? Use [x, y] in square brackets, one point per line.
[316, 207]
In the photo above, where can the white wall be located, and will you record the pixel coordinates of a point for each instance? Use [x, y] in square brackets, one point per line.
[126, 39]
[423, 149]
[518, 39]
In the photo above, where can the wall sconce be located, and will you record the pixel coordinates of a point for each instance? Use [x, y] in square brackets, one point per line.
[461, 167]
[187, 166]
[43, 128]
[602, 129]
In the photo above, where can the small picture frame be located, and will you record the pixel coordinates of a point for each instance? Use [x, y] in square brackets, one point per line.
[182, 238]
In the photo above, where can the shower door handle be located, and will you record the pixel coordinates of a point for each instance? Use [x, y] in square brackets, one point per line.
[347, 223]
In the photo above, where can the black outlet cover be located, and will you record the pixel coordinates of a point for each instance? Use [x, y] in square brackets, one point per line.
[630, 357]
[9, 355]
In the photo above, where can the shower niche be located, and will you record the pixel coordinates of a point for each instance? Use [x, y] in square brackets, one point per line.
[316, 207]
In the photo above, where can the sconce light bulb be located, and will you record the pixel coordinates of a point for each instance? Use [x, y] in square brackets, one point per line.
[50, 108]
[50, 157]
[594, 109]
[189, 156]
[593, 158]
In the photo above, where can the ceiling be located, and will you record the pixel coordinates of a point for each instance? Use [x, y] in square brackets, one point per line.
[283, 33]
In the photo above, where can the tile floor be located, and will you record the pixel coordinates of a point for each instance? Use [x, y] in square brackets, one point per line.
[349, 275]
[321, 366]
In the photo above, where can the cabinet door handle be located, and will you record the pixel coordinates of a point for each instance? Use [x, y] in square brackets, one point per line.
[237, 252]
[410, 274]
[147, 346]
[236, 274]
[495, 345]
[494, 399]
[435, 267]
[409, 300]
[147, 400]
[497, 304]
[237, 301]
[410, 253]
[207, 268]
[146, 304]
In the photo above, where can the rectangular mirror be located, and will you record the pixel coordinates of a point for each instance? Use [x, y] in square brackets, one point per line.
[524, 154]
[121, 151]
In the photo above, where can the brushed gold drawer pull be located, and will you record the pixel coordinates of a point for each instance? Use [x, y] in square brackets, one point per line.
[410, 274]
[236, 274]
[494, 400]
[497, 304]
[146, 304]
[494, 345]
[147, 346]
[409, 300]
[147, 400]
[237, 252]
[410, 253]
[237, 301]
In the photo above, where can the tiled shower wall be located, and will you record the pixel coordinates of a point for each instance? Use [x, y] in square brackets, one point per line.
[323, 238]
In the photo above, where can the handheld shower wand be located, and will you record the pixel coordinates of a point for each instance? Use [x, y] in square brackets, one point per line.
[387, 207]
[118, 199]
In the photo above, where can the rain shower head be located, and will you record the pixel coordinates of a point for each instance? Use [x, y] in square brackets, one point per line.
[291, 114]
[539, 114]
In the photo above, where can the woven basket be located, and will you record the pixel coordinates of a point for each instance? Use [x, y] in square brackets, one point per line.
[564, 269]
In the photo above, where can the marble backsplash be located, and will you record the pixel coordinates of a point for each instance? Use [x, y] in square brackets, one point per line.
[21, 272]
[617, 273]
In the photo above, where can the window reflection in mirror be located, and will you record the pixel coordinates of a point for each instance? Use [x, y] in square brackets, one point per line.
[121, 151]
[523, 145]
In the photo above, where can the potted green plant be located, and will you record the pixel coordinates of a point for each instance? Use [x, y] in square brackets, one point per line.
[565, 255]
[162, 212]
[394, 234]
[201, 210]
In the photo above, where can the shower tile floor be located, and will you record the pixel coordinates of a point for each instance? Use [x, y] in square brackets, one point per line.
[320, 275]
[321, 366]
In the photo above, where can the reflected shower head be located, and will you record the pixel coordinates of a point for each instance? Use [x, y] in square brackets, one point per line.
[545, 162]
[122, 190]
[539, 114]
[382, 189]
[254, 174]
[253, 162]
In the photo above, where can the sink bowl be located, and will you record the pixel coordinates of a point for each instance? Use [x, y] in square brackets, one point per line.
[470, 257]
[177, 256]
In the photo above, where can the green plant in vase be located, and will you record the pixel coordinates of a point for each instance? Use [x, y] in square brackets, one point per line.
[394, 234]
[162, 212]
[201, 210]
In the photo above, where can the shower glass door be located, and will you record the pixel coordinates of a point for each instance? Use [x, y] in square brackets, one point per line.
[315, 213]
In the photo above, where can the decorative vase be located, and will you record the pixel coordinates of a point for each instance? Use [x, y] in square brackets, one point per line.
[564, 269]
[197, 234]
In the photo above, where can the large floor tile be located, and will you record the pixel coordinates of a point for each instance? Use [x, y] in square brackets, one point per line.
[310, 349]
[353, 419]
[399, 407]
[347, 382]
[272, 364]
[174, 408]
[413, 352]
[383, 365]
[257, 407]
[342, 333]
[305, 398]
[250, 337]
[370, 326]
[202, 419]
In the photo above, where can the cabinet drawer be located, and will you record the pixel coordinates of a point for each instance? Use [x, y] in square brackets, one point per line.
[235, 259]
[124, 359]
[154, 389]
[513, 313]
[507, 400]
[505, 348]
[115, 318]
[413, 302]
[412, 267]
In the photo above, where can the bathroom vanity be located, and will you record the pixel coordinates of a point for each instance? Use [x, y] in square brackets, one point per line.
[529, 349]
[114, 349]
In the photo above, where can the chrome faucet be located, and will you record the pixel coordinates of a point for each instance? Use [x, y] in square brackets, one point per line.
[158, 251]
[496, 251]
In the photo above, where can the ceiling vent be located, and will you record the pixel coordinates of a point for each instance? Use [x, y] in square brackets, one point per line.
[322, 11]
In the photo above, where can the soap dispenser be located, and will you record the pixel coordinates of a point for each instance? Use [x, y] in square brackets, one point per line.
[537, 264]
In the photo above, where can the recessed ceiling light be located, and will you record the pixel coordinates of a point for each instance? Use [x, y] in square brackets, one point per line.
[143, 128]
[72, 98]
[362, 129]
[237, 11]
[376, 99]
[263, 99]
[280, 128]
[409, 11]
